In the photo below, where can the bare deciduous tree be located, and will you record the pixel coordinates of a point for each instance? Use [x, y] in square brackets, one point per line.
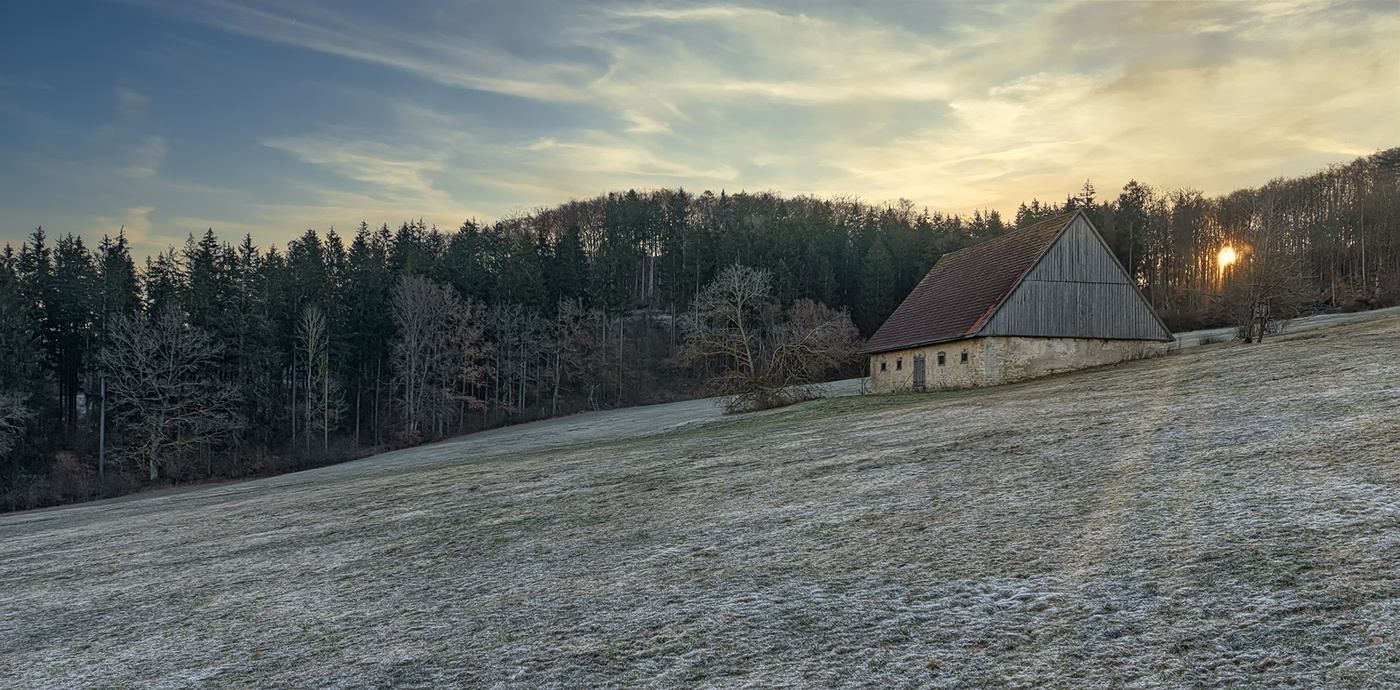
[1266, 285]
[579, 349]
[766, 358]
[440, 344]
[726, 322]
[14, 415]
[419, 310]
[158, 378]
[466, 349]
[812, 342]
[324, 403]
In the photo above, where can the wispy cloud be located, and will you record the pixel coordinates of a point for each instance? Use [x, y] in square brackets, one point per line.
[145, 158]
[953, 105]
[397, 176]
[131, 104]
[435, 53]
[740, 52]
[432, 162]
[602, 158]
[367, 161]
[135, 222]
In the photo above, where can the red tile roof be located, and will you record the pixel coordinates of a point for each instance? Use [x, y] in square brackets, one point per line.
[964, 288]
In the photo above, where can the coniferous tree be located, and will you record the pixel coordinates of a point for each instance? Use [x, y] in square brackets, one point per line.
[877, 295]
[21, 379]
[207, 282]
[70, 315]
[367, 286]
[164, 283]
[1130, 225]
[568, 269]
[34, 271]
[254, 361]
[118, 287]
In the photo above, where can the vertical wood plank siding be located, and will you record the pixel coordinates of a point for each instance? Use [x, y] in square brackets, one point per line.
[1077, 290]
[1077, 256]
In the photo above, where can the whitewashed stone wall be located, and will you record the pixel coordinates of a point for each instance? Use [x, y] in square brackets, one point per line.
[997, 360]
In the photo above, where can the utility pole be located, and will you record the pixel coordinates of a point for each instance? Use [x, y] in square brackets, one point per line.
[294, 395]
[619, 361]
[102, 432]
[378, 373]
[326, 400]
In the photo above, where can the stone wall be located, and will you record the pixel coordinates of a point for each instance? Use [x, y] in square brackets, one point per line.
[995, 360]
[898, 372]
[1018, 359]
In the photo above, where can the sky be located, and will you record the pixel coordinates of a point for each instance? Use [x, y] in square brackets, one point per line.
[269, 117]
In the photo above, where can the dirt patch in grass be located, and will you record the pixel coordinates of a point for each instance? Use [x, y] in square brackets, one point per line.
[1224, 516]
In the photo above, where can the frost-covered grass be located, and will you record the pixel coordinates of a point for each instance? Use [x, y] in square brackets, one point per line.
[1225, 516]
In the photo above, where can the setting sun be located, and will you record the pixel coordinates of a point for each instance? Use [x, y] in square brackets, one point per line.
[1227, 257]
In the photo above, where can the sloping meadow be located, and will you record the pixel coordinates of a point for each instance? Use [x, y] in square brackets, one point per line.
[1225, 515]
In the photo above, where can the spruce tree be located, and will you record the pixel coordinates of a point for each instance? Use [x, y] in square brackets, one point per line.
[877, 294]
[70, 313]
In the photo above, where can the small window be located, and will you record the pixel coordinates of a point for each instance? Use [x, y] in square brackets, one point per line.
[942, 359]
[898, 364]
[964, 356]
[883, 365]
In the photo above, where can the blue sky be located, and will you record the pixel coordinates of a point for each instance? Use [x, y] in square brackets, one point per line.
[266, 117]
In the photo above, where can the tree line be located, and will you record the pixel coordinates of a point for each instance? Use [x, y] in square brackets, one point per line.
[1335, 233]
[330, 347]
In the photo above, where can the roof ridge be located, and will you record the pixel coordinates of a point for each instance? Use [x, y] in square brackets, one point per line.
[964, 287]
[1016, 231]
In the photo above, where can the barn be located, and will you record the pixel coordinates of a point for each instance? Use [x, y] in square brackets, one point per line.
[1039, 300]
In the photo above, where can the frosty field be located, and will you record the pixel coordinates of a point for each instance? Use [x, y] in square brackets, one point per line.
[1228, 515]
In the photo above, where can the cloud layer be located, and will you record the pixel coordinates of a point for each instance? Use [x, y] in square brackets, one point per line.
[475, 109]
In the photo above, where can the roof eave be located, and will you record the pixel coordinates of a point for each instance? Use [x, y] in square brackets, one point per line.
[940, 341]
[911, 345]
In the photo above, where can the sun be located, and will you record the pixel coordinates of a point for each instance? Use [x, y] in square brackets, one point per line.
[1227, 257]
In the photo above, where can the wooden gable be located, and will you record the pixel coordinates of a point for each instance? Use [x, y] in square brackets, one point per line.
[1076, 289]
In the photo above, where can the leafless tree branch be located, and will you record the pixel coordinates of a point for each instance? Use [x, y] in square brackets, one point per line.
[765, 357]
[158, 380]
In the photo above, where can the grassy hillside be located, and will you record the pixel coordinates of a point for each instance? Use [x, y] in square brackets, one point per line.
[1228, 514]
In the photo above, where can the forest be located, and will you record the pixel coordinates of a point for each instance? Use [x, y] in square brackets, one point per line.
[224, 359]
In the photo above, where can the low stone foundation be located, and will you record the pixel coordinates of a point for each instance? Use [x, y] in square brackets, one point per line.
[976, 362]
